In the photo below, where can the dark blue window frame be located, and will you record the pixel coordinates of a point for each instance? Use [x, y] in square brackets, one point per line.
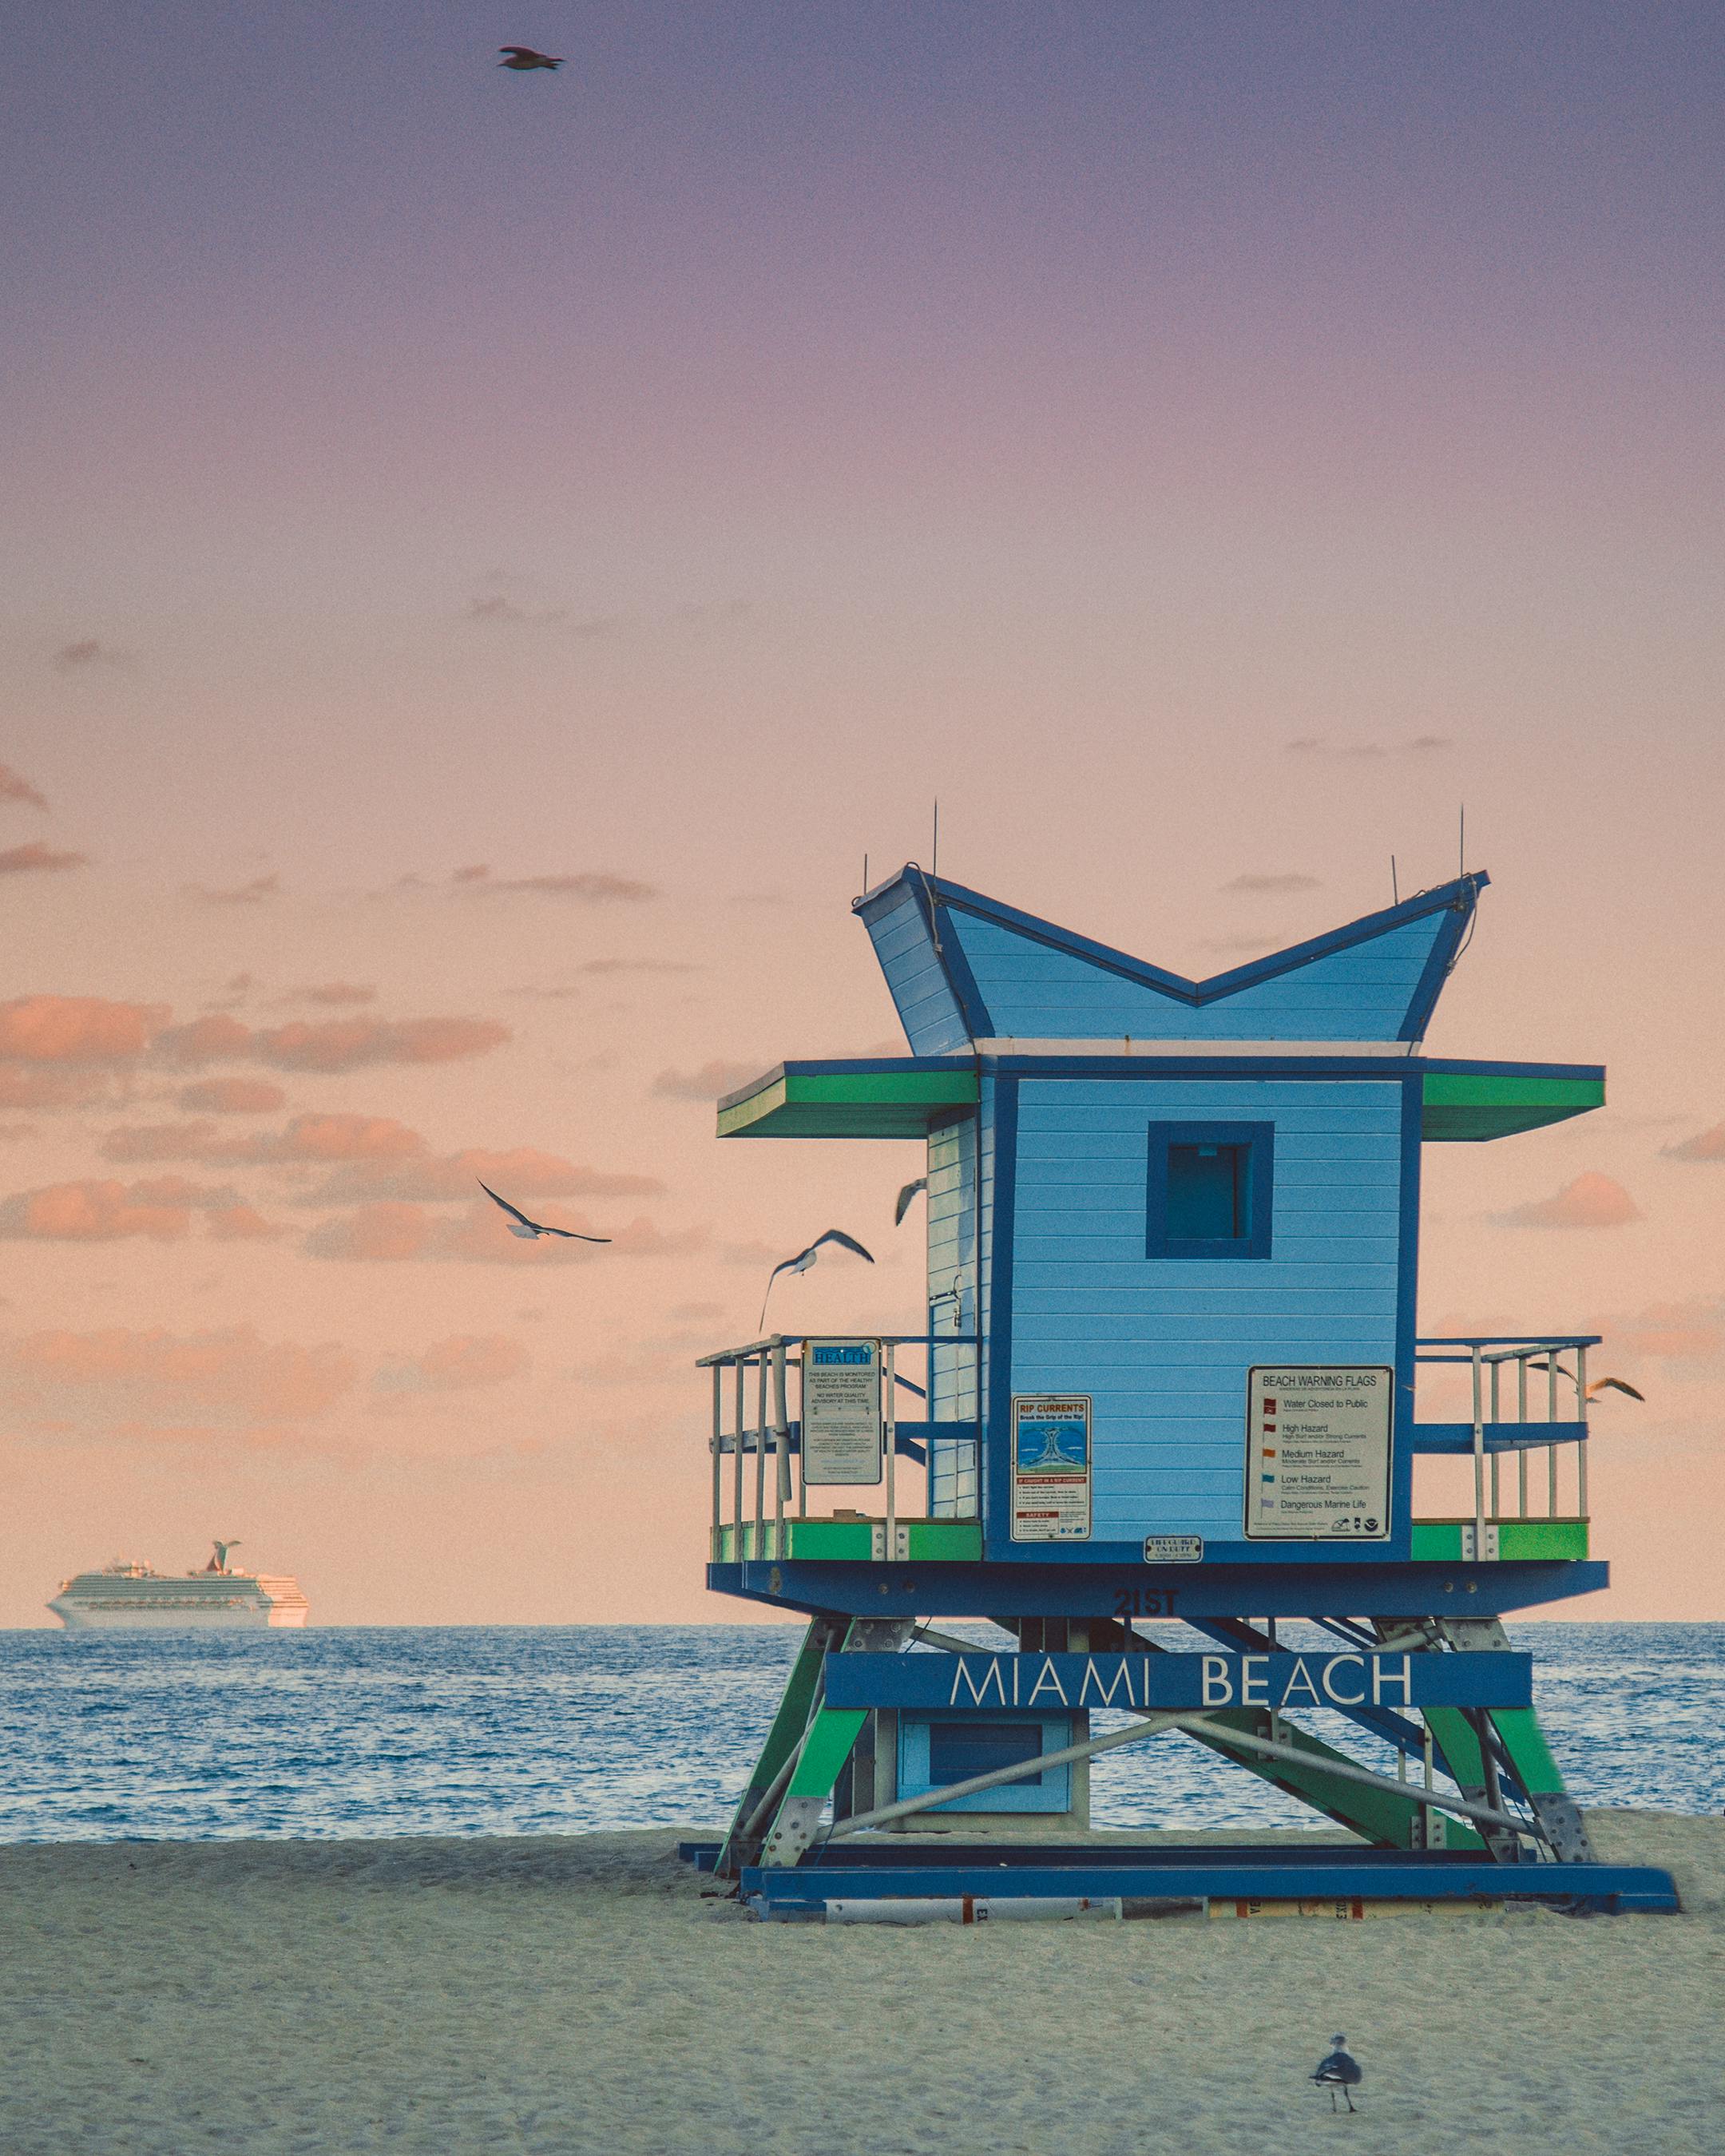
[1255, 1145]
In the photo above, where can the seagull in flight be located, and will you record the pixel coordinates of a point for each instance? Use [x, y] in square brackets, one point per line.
[524, 59]
[1598, 1384]
[804, 1258]
[528, 1231]
[1340, 2070]
[905, 1196]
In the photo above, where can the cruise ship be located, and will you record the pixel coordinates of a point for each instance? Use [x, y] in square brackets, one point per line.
[126, 1596]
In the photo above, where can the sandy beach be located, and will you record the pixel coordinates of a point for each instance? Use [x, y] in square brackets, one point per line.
[583, 1994]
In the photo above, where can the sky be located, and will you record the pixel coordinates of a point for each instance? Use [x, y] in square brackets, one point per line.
[486, 557]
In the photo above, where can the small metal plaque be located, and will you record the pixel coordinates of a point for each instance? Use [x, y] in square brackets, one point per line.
[1173, 1549]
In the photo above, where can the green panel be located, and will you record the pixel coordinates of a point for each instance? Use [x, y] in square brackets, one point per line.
[947, 1542]
[828, 1747]
[932, 1542]
[1467, 1106]
[1529, 1753]
[1528, 1539]
[853, 1103]
[1439, 1541]
[831, 1538]
[787, 1724]
[1386, 1820]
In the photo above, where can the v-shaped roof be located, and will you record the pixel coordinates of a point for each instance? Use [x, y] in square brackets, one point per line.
[964, 968]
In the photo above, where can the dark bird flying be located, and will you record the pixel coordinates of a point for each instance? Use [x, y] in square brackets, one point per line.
[520, 1225]
[524, 59]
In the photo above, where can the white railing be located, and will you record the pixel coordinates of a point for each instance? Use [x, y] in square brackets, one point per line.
[1500, 1424]
[754, 1390]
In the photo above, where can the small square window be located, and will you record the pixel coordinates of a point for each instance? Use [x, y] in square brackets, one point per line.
[1209, 1190]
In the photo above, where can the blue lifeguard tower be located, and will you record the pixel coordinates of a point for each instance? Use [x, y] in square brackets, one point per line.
[1159, 1430]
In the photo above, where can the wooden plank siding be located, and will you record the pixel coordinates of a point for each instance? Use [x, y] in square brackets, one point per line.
[1163, 1345]
[1034, 991]
[932, 1022]
[952, 1265]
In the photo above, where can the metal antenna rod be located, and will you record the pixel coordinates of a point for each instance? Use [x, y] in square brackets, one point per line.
[1395, 896]
[1463, 840]
[935, 870]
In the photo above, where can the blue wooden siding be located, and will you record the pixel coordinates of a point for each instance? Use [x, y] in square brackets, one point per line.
[1034, 991]
[952, 1308]
[927, 1010]
[1163, 1345]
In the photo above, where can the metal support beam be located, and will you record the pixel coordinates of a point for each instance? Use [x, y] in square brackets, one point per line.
[826, 1745]
[1151, 1725]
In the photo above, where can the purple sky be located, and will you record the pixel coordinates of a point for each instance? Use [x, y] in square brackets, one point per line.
[1198, 444]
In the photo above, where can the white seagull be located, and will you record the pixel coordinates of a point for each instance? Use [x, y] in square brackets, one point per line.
[528, 1231]
[905, 1196]
[1598, 1384]
[1340, 2070]
[804, 1258]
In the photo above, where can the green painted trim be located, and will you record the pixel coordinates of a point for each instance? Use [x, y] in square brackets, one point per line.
[1528, 1539]
[946, 1542]
[852, 1541]
[1386, 1821]
[788, 1724]
[861, 1104]
[1439, 1541]
[1459, 1108]
[835, 1731]
[1530, 1755]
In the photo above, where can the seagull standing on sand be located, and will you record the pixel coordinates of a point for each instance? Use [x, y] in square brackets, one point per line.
[905, 1196]
[804, 1258]
[520, 1225]
[1340, 2070]
[524, 59]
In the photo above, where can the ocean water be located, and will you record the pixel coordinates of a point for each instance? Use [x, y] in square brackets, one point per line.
[537, 1730]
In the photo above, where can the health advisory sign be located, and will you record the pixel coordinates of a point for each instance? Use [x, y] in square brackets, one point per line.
[1317, 1454]
[841, 1411]
[1050, 1467]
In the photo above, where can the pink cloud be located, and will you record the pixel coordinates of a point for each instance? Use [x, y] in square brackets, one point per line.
[1704, 1145]
[335, 991]
[525, 1172]
[254, 893]
[152, 1141]
[349, 1044]
[15, 787]
[591, 886]
[1673, 1332]
[710, 1082]
[117, 1373]
[102, 1212]
[330, 1046]
[393, 1230]
[40, 1086]
[29, 860]
[76, 1028]
[242, 1224]
[462, 1364]
[233, 1096]
[217, 1038]
[380, 1234]
[1592, 1201]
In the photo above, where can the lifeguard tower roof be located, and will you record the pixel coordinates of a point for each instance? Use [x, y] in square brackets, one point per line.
[973, 978]
[976, 973]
